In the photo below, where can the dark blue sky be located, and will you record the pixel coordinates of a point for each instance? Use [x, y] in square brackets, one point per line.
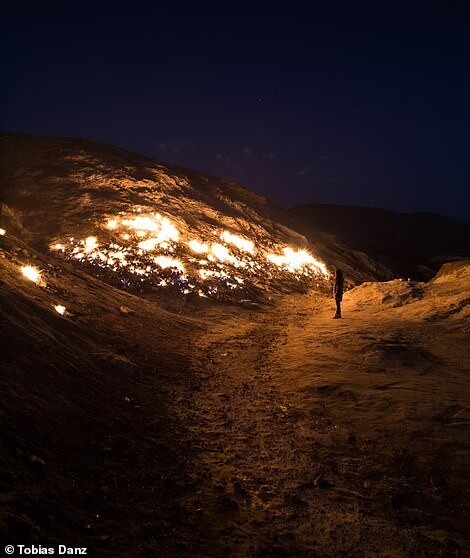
[297, 111]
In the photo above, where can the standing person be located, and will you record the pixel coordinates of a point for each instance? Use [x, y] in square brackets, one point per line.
[338, 292]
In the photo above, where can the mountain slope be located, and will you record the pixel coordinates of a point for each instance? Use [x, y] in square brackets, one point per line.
[139, 420]
[151, 224]
[224, 430]
[414, 244]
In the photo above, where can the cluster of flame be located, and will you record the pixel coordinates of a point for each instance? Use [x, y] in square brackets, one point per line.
[34, 274]
[149, 249]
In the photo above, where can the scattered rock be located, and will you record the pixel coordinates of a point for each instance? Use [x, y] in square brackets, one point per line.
[37, 461]
[118, 363]
[124, 310]
[321, 482]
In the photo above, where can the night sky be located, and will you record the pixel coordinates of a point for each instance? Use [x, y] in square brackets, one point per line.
[296, 111]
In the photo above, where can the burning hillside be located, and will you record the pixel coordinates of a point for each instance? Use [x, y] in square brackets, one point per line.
[142, 225]
[138, 224]
[142, 249]
[168, 425]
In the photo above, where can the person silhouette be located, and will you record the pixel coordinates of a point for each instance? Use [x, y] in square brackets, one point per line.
[338, 292]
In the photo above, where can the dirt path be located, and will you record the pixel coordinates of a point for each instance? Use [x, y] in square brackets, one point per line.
[302, 430]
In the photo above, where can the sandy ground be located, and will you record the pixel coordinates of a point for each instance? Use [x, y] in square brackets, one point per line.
[163, 425]
[225, 431]
[332, 438]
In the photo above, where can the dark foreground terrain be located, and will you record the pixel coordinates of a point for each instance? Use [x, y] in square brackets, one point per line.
[213, 408]
[213, 430]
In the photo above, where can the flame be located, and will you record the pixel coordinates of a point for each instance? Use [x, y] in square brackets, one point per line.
[147, 247]
[161, 225]
[198, 247]
[141, 223]
[121, 256]
[221, 253]
[148, 244]
[205, 273]
[3, 232]
[60, 309]
[294, 261]
[90, 244]
[32, 273]
[240, 242]
[165, 262]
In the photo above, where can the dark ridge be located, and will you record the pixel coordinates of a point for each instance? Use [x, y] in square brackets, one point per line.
[414, 244]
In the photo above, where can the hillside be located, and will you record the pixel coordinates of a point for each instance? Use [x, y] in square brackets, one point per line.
[142, 224]
[412, 244]
[137, 419]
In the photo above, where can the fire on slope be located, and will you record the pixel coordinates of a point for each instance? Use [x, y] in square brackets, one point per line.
[146, 248]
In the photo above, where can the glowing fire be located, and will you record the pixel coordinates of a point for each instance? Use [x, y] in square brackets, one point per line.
[32, 273]
[60, 309]
[198, 247]
[155, 224]
[166, 262]
[142, 248]
[205, 273]
[221, 253]
[90, 244]
[148, 244]
[297, 260]
[3, 232]
[241, 243]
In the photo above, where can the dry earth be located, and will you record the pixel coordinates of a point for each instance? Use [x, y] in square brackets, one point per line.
[167, 425]
[335, 438]
[211, 430]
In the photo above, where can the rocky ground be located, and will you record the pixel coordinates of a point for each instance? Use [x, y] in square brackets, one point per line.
[333, 438]
[157, 422]
[213, 430]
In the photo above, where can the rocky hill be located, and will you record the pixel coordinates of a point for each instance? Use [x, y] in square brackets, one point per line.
[150, 407]
[140, 224]
[412, 244]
